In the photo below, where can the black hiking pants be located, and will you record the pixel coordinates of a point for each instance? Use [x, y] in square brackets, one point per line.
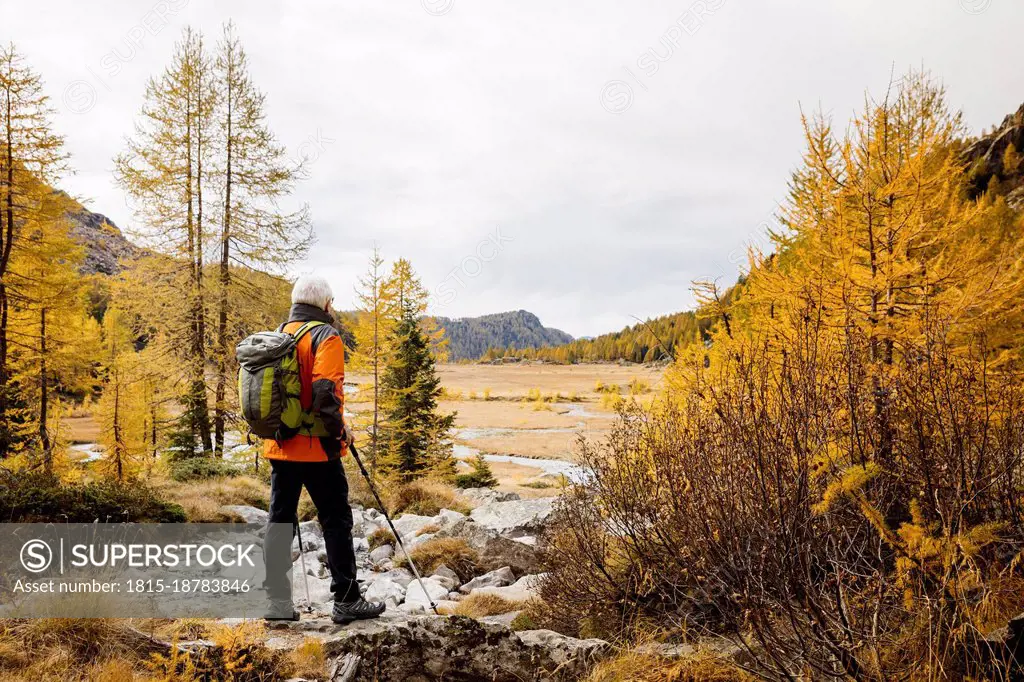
[328, 489]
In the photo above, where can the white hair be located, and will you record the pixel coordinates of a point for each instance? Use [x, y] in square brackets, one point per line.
[313, 290]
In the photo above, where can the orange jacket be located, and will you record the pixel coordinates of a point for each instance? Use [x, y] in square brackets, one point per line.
[321, 356]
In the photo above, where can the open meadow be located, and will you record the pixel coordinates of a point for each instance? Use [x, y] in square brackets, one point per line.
[526, 418]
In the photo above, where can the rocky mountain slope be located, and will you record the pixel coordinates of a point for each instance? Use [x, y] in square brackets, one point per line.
[102, 240]
[470, 337]
[997, 157]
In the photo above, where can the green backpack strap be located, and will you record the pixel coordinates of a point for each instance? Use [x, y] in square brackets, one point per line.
[305, 329]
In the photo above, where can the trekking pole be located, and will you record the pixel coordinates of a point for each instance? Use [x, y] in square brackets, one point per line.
[302, 560]
[398, 538]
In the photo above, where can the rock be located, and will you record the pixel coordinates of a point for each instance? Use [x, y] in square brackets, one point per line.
[443, 570]
[529, 540]
[320, 595]
[504, 619]
[381, 553]
[515, 518]
[246, 513]
[449, 583]
[495, 550]
[419, 539]
[360, 544]
[310, 561]
[487, 495]
[312, 536]
[445, 606]
[499, 578]
[410, 524]
[1005, 643]
[482, 496]
[385, 589]
[524, 589]
[363, 523]
[425, 648]
[399, 575]
[105, 249]
[561, 648]
[415, 595]
[447, 517]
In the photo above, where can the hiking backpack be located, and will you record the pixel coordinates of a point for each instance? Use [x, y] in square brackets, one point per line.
[269, 384]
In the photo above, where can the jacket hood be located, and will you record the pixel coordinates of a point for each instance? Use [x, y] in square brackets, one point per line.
[304, 312]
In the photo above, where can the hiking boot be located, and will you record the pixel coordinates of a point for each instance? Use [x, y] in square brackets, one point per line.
[281, 609]
[347, 611]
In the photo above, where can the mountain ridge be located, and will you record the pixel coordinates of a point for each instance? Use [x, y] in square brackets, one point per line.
[470, 337]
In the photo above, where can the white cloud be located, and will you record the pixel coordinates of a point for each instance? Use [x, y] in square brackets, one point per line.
[444, 127]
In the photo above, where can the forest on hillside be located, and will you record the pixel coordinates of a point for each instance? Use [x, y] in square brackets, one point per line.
[654, 340]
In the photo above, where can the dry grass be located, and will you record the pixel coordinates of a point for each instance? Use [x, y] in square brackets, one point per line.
[64, 649]
[452, 552]
[428, 529]
[203, 499]
[380, 537]
[641, 667]
[480, 604]
[426, 498]
[309, 660]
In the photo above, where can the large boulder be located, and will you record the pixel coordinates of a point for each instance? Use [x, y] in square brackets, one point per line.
[499, 578]
[410, 648]
[495, 550]
[487, 495]
[448, 517]
[416, 594]
[246, 513]
[524, 589]
[515, 518]
[381, 553]
[400, 575]
[385, 590]
[320, 596]
[408, 525]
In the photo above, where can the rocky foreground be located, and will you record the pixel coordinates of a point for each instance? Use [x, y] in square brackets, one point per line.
[410, 642]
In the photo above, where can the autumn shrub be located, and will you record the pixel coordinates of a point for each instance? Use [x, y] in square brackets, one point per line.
[454, 553]
[239, 654]
[835, 481]
[199, 468]
[39, 498]
[755, 516]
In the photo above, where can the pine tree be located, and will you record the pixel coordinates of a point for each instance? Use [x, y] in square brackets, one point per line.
[49, 324]
[373, 328]
[31, 160]
[415, 438]
[480, 477]
[255, 174]
[166, 169]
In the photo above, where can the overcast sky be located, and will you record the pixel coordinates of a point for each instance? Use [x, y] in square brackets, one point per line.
[608, 153]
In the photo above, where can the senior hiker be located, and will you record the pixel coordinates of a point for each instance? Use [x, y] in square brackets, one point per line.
[309, 454]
